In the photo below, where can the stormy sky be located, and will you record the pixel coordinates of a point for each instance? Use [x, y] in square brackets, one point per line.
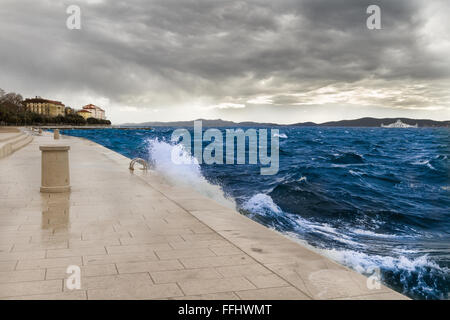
[281, 61]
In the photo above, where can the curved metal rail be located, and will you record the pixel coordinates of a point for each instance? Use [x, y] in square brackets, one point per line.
[140, 161]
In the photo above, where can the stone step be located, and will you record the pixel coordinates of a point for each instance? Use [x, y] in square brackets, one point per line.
[26, 139]
[14, 143]
[7, 136]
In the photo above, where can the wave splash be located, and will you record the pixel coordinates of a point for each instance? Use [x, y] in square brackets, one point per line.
[417, 276]
[186, 171]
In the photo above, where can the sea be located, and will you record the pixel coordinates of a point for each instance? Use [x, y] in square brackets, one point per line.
[368, 198]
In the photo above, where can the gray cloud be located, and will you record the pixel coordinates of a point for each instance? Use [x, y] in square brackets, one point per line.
[168, 54]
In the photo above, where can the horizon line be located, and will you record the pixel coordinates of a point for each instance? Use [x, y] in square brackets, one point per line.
[284, 124]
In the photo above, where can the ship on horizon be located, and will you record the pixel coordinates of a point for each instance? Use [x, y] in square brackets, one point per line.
[399, 124]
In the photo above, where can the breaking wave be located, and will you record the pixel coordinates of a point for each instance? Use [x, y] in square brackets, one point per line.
[185, 171]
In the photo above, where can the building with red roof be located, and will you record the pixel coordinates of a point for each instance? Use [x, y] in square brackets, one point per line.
[45, 107]
[96, 112]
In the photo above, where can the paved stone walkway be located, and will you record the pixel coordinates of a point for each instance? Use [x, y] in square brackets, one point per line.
[137, 237]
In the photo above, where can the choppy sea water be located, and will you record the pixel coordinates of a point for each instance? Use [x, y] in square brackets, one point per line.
[365, 197]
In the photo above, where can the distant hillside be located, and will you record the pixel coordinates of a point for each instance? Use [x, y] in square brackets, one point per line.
[374, 122]
[362, 122]
[205, 123]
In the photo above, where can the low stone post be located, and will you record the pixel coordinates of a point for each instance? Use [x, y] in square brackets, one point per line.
[55, 176]
[56, 134]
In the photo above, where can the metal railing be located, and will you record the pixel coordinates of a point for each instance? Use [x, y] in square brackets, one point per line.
[140, 161]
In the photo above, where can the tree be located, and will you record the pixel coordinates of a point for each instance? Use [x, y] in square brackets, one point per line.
[59, 119]
[98, 121]
[75, 119]
[13, 98]
[92, 121]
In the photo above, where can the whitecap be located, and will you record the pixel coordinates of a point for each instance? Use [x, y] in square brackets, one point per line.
[261, 204]
[372, 234]
[354, 173]
[360, 261]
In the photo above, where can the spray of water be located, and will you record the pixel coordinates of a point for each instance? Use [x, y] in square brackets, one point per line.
[185, 171]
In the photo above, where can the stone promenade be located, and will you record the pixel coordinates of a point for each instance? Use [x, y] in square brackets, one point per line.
[135, 236]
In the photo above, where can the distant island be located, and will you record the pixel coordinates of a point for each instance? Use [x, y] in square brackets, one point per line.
[362, 122]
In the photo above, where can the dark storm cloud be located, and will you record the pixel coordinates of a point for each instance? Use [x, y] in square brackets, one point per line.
[150, 53]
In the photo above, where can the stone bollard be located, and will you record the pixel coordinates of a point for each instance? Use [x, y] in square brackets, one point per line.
[55, 176]
[56, 134]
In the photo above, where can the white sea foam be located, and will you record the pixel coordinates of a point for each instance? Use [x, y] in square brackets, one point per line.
[354, 173]
[424, 162]
[360, 261]
[372, 234]
[186, 171]
[328, 231]
[365, 263]
[261, 204]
